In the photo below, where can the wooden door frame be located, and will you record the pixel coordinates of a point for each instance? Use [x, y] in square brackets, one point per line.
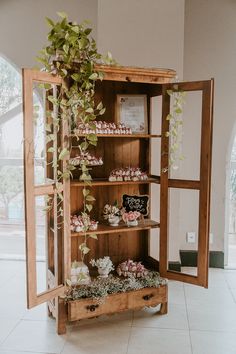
[31, 191]
[203, 184]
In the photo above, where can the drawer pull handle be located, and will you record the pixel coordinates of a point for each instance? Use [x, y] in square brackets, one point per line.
[92, 308]
[147, 297]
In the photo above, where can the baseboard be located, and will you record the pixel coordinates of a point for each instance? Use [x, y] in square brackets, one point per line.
[189, 258]
[174, 265]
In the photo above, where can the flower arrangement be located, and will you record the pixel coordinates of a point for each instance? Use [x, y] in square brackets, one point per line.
[131, 217]
[79, 273]
[82, 222]
[127, 174]
[131, 268]
[104, 265]
[99, 288]
[111, 210]
[112, 213]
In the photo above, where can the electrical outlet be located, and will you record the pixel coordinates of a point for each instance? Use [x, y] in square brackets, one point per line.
[191, 237]
[211, 238]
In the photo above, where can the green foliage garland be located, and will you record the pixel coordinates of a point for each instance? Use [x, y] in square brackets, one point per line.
[175, 128]
[72, 54]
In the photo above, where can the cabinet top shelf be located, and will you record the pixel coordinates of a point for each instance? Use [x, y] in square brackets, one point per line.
[136, 74]
[147, 224]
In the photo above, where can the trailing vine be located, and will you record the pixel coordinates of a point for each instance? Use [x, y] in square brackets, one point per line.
[175, 127]
[72, 54]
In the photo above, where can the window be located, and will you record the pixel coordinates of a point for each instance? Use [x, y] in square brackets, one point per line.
[12, 230]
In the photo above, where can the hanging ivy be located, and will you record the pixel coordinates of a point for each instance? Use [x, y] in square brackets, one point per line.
[72, 54]
[174, 134]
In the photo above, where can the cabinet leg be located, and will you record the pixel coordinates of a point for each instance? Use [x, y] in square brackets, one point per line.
[164, 308]
[61, 316]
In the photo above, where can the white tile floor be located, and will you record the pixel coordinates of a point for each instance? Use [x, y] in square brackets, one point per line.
[199, 321]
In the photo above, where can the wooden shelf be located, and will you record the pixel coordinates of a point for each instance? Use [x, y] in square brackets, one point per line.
[147, 224]
[105, 182]
[133, 136]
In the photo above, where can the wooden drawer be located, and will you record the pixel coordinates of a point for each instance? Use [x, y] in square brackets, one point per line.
[91, 308]
[147, 297]
[138, 299]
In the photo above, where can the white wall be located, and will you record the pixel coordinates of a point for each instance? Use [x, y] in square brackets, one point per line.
[210, 51]
[143, 32]
[23, 30]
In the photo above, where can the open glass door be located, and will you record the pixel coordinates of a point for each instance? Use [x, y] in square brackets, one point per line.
[45, 202]
[195, 189]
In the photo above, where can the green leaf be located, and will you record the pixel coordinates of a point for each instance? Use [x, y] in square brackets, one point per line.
[102, 111]
[100, 106]
[93, 236]
[92, 126]
[94, 143]
[64, 152]
[65, 175]
[49, 21]
[89, 207]
[75, 77]
[85, 177]
[75, 29]
[47, 86]
[90, 198]
[62, 14]
[92, 137]
[89, 110]
[64, 71]
[94, 76]
[178, 110]
[84, 249]
[82, 43]
[66, 48]
[52, 99]
[60, 196]
[51, 149]
[86, 192]
[170, 92]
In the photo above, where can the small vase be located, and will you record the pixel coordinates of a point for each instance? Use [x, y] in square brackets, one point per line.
[114, 220]
[132, 223]
[103, 272]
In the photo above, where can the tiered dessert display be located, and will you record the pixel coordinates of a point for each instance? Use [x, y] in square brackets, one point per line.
[88, 158]
[127, 174]
[102, 127]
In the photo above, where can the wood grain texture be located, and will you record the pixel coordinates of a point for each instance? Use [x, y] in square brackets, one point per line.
[135, 74]
[31, 191]
[203, 185]
[132, 300]
[107, 229]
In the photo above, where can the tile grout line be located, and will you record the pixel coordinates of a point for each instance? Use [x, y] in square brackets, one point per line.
[186, 307]
[229, 288]
[4, 340]
[130, 330]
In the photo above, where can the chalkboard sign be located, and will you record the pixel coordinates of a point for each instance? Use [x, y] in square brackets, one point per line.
[136, 203]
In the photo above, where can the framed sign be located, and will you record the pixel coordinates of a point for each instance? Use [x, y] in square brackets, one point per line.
[136, 203]
[131, 110]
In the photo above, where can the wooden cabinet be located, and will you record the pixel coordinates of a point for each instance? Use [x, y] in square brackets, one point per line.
[117, 150]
